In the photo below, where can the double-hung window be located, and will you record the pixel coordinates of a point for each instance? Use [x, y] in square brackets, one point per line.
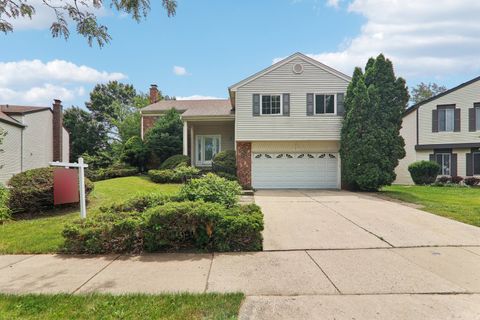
[476, 163]
[446, 119]
[325, 104]
[445, 162]
[271, 104]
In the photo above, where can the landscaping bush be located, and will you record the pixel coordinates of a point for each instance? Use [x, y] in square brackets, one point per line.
[5, 213]
[180, 174]
[110, 232]
[444, 179]
[471, 181]
[172, 226]
[456, 179]
[175, 161]
[424, 172]
[32, 190]
[225, 162]
[140, 203]
[212, 188]
[111, 173]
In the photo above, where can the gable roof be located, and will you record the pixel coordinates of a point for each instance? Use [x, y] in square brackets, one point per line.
[285, 61]
[218, 107]
[7, 119]
[416, 106]
[15, 109]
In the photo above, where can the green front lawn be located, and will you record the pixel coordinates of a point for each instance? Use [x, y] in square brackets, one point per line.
[461, 204]
[44, 234]
[168, 306]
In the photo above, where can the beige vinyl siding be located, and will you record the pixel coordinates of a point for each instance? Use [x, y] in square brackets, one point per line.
[225, 129]
[464, 99]
[409, 134]
[10, 158]
[295, 146]
[37, 140]
[297, 126]
[66, 146]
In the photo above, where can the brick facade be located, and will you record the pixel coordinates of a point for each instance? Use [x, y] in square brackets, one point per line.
[148, 123]
[58, 131]
[244, 163]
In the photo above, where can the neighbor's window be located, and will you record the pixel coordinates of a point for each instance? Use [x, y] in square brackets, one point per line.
[446, 119]
[476, 163]
[444, 160]
[325, 104]
[477, 118]
[271, 104]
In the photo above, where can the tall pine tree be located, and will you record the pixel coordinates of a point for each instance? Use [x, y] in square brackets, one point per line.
[371, 145]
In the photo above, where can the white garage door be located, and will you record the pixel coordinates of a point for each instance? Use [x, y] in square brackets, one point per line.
[295, 170]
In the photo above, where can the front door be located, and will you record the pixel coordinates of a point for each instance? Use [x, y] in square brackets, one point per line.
[207, 147]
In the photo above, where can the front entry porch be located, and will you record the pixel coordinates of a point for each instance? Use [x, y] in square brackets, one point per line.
[204, 138]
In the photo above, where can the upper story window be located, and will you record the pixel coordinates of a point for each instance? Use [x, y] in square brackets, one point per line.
[271, 104]
[477, 118]
[324, 104]
[446, 119]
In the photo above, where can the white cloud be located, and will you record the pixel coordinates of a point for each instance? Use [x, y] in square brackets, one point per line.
[428, 38]
[180, 71]
[333, 3]
[38, 83]
[198, 97]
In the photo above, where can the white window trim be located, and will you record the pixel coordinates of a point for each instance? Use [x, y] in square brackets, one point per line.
[453, 119]
[334, 104]
[201, 161]
[281, 105]
[443, 154]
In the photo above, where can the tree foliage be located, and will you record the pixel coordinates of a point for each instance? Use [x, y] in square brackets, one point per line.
[80, 13]
[424, 91]
[135, 153]
[165, 138]
[371, 145]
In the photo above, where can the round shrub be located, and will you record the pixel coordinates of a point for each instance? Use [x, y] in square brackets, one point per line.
[225, 162]
[175, 161]
[444, 179]
[424, 172]
[456, 179]
[212, 188]
[5, 214]
[32, 190]
[471, 181]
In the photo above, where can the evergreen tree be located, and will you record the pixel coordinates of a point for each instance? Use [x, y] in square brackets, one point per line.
[371, 145]
[165, 138]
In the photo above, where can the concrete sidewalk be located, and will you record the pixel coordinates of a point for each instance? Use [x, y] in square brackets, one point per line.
[277, 283]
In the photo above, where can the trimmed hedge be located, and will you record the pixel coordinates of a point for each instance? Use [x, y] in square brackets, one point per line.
[178, 175]
[424, 172]
[5, 213]
[212, 188]
[140, 203]
[175, 161]
[225, 163]
[110, 173]
[32, 190]
[170, 227]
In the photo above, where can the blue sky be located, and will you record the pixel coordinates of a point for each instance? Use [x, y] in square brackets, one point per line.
[216, 43]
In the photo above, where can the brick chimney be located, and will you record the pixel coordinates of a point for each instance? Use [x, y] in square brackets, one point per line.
[154, 94]
[57, 130]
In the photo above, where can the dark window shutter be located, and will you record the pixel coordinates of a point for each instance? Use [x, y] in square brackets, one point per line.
[256, 105]
[340, 104]
[286, 104]
[456, 126]
[472, 125]
[435, 120]
[454, 165]
[469, 164]
[309, 104]
[432, 157]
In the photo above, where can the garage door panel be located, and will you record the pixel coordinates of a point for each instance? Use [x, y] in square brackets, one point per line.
[294, 170]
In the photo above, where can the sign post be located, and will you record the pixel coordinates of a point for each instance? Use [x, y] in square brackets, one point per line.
[81, 181]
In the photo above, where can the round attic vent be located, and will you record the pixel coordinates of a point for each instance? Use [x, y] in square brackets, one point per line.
[297, 68]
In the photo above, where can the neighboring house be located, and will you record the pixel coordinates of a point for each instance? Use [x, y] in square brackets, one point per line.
[35, 137]
[445, 129]
[284, 123]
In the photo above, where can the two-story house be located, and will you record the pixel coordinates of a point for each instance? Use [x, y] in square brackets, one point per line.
[445, 129]
[284, 123]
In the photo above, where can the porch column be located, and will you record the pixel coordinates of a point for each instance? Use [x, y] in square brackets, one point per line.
[192, 146]
[185, 138]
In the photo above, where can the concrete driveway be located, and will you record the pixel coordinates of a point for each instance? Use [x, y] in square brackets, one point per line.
[305, 219]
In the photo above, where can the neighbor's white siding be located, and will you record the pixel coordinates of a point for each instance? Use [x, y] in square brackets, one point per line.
[37, 140]
[464, 99]
[65, 146]
[10, 163]
[297, 126]
[409, 134]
